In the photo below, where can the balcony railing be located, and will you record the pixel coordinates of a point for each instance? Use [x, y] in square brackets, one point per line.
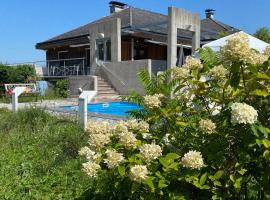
[67, 67]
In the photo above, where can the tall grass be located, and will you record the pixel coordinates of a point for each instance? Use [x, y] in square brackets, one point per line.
[38, 156]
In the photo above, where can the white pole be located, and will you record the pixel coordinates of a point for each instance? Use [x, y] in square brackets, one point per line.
[14, 102]
[83, 111]
[15, 94]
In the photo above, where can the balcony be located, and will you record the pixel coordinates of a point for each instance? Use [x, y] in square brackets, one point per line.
[67, 67]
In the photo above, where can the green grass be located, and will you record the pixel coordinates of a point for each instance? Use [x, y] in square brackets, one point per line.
[39, 158]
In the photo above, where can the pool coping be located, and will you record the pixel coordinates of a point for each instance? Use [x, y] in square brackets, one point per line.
[89, 114]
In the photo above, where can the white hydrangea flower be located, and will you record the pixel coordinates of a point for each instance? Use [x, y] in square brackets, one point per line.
[192, 63]
[98, 141]
[120, 127]
[90, 155]
[99, 128]
[218, 72]
[150, 152]
[113, 158]
[152, 101]
[139, 173]
[135, 125]
[193, 159]
[207, 126]
[243, 113]
[147, 136]
[181, 72]
[91, 168]
[128, 139]
[168, 138]
[237, 48]
[257, 58]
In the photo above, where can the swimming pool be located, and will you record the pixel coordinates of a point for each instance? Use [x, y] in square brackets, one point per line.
[111, 108]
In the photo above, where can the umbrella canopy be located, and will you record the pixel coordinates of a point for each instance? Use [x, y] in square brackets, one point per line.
[254, 43]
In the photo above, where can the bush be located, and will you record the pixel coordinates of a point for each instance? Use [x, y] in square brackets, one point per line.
[39, 158]
[62, 88]
[15, 74]
[203, 134]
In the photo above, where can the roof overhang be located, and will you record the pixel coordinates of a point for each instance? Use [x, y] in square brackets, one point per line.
[79, 40]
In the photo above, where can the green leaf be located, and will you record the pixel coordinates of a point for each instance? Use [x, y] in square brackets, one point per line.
[238, 183]
[254, 130]
[172, 156]
[203, 178]
[150, 183]
[162, 184]
[182, 123]
[121, 171]
[218, 174]
[235, 68]
[258, 92]
[232, 178]
[266, 154]
[262, 76]
[217, 183]
[242, 171]
[235, 80]
[264, 130]
[266, 143]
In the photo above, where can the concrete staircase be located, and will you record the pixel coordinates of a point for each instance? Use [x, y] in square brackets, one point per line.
[105, 92]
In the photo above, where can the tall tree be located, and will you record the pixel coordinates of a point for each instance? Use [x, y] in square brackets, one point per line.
[263, 34]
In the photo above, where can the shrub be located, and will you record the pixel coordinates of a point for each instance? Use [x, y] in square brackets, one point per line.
[62, 88]
[208, 134]
[15, 74]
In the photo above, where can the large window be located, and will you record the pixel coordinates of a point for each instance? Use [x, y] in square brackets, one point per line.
[104, 49]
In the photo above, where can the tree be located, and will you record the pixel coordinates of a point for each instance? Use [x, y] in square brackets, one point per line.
[263, 34]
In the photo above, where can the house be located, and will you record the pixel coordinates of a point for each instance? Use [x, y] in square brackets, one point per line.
[116, 47]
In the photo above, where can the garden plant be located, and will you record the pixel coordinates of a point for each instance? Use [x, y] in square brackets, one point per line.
[203, 133]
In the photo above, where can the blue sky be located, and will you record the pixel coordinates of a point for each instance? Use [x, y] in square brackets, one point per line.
[23, 23]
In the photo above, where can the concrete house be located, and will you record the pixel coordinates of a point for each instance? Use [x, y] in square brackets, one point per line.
[116, 47]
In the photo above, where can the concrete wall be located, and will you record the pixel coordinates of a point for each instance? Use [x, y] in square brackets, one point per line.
[84, 82]
[123, 76]
[184, 20]
[109, 29]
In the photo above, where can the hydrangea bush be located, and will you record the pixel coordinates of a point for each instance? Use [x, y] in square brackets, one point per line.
[203, 133]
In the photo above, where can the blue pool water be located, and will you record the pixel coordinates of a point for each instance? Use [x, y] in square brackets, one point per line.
[111, 108]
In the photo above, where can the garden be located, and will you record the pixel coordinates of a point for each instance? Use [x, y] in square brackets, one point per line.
[203, 134]
[27, 74]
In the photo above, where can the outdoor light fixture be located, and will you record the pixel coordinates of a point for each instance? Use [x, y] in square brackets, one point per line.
[101, 35]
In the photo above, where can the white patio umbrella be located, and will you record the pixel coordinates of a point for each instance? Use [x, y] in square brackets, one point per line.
[254, 43]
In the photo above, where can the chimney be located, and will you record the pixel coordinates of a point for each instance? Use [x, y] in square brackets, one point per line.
[116, 6]
[209, 13]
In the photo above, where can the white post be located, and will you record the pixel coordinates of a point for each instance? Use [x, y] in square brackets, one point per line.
[14, 102]
[83, 111]
[15, 94]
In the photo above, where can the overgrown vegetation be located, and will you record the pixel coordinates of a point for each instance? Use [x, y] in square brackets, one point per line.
[39, 158]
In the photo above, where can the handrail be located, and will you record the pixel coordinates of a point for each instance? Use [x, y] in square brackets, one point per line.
[101, 64]
[65, 59]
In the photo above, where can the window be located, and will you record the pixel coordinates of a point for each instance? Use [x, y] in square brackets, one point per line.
[100, 47]
[108, 50]
[104, 49]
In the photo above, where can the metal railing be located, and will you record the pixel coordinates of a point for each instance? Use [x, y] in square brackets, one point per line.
[67, 67]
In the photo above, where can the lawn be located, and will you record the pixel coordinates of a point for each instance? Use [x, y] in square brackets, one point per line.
[39, 158]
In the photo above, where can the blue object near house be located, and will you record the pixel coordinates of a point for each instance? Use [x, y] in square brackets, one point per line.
[42, 86]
